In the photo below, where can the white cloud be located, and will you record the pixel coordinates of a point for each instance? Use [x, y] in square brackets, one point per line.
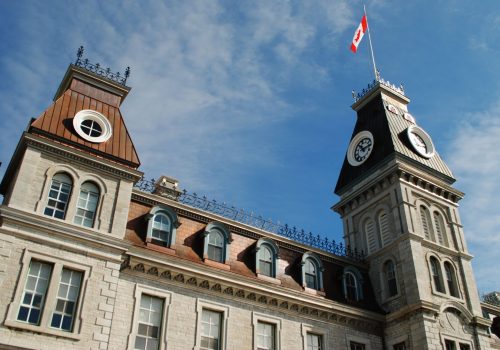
[475, 161]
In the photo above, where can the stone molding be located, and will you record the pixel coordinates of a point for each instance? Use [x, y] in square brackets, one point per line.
[396, 172]
[71, 154]
[231, 289]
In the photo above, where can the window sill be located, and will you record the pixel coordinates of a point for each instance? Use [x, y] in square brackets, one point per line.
[159, 248]
[269, 279]
[217, 264]
[42, 330]
[314, 292]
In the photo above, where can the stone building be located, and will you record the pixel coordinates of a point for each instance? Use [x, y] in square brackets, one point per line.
[94, 257]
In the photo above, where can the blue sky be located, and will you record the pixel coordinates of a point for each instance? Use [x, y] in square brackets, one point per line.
[249, 102]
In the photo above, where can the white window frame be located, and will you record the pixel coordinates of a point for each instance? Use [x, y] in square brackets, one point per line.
[154, 292]
[322, 332]
[227, 239]
[258, 317]
[208, 305]
[78, 179]
[87, 201]
[51, 296]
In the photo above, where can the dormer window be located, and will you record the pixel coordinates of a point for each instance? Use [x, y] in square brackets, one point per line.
[92, 126]
[266, 254]
[162, 226]
[217, 239]
[352, 283]
[215, 246]
[312, 271]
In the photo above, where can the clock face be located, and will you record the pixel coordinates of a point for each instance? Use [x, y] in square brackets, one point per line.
[420, 141]
[360, 148]
[363, 149]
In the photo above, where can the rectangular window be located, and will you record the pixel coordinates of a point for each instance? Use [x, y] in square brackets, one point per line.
[67, 298]
[266, 338]
[35, 292]
[399, 346]
[150, 315]
[210, 330]
[464, 346]
[314, 341]
[357, 346]
[450, 345]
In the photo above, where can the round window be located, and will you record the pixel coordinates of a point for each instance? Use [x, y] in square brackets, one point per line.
[92, 126]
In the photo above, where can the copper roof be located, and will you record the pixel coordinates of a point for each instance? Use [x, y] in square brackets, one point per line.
[56, 122]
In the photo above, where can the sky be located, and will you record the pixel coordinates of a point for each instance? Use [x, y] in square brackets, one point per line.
[248, 102]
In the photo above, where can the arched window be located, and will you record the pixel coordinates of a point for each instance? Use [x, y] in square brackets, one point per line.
[215, 246]
[312, 271]
[439, 229]
[351, 281]
[266, 253]
[384, 229]
[426, 223]
[162, 226]
[310, 274]
[436, 275]
[216, 243]
[58, 197]
[451, 280]
[390, 278]
[350, 286]
[371, 236]
[87, 204]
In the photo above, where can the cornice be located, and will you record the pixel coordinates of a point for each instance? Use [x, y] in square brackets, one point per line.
[230, 286]
[239, 228]
[389, 176]
[59, 234]
[72, 154]
[409, 310]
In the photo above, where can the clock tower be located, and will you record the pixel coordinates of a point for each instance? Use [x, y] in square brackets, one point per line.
[399, 207]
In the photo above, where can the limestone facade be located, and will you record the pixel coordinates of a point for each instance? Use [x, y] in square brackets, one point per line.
[124, 281]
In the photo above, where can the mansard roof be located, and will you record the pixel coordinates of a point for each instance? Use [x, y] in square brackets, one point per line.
[84, 90]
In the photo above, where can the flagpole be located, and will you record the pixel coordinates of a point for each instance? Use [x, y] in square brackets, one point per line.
[371, 47]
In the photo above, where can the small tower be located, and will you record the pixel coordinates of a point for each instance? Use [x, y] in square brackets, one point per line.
[398, 205]
[76, 162]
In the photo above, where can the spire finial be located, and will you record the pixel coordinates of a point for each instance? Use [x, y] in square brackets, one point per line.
[79, 53]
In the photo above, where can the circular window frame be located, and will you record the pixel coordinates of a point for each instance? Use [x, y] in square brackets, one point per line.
[352, 147]
[88, 114]
[413, 129]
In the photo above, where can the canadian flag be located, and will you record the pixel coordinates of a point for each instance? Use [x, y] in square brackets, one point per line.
[358, 35]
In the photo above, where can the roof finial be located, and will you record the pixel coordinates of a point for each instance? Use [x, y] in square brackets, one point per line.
[79, 54]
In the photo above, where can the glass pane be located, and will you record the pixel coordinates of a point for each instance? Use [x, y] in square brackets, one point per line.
[34, 316]
[56, 321]
[60, 305]
[140, 343]
[143, 329]
[23, 313]
[66, 324]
